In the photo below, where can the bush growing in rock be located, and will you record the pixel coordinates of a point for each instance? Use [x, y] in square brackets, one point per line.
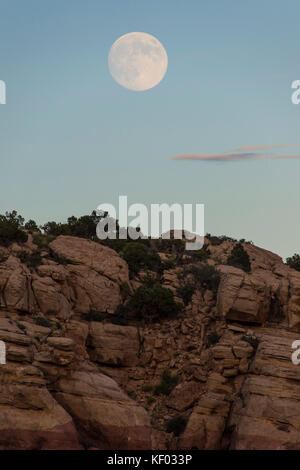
[42, 321]
[150, 400]
[186, 291]
[3, 257]
[218, 240]
[42, 241]
[32, 260]
[200, 255]
[59, 259]
[167, 383]
[94, 316]
[31, 226]
[148, 388]
[55, 229]
[204, 276]
[294, 262]
[196, 255]
[84, 227]
[167, 264]
[120, 319]
[125, 290]
[138, 256]
[176, 425]
[239, 258]
[174, 246]
[152, 302]
[212, 338]
[11, 229]
[21, 327]
[86, 444]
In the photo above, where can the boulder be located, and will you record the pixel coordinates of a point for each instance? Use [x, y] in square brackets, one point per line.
[113, 344]
[30, 418]
[108, 417]
[243, 297]
[184, 395]
[99, 258]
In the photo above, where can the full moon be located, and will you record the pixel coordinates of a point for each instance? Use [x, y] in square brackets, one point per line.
[137, 61]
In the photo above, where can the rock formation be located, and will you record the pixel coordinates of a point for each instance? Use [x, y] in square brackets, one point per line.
[75, 381]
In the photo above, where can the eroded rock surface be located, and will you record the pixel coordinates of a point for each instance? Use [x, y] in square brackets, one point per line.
[71, 382]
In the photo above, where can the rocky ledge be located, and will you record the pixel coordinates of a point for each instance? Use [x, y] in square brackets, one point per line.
[217, 375]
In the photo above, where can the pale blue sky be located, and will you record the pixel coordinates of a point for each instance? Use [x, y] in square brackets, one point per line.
[72, 138]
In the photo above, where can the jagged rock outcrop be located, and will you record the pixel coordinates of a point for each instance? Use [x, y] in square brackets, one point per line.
[51, 398]
[243, 297]
[266, 415]
[89, 279]
[73, 383]
[30, 418]
[103, 413]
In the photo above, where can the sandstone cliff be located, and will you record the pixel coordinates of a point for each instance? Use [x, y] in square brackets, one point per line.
[73, 383]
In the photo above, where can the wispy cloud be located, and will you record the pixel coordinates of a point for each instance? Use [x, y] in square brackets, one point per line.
[239, 154]
[229, 157]
[217, 157]
[262, 147]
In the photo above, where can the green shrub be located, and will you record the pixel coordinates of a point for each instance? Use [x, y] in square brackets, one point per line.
[42, 241]
[199, 255]
[212, 338]
[150, 400]
[32, 260]
[214, 240]
[186, 291]
[176, 425]
[138, 256]
[56, 229]
[174, 246]
[84, 227]
[31, 226]
[167, 264]
[294, 262]
[167, 383]
[132, 394]
[125, 290]
[120, 319]
[94, 316]
[21, 327]
[86, 444]
[152, 302]
[239, 258]
[120, 314]
[3, 257]
[116, 245]
[148, 388]
[204, 276]
[42, 321]
[59, 259]
[11, 229]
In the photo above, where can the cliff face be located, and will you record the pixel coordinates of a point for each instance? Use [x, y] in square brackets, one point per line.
[70, 383]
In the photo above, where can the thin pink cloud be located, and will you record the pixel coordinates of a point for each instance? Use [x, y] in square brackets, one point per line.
[230, 157]
[214, 157]
[262, 147]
